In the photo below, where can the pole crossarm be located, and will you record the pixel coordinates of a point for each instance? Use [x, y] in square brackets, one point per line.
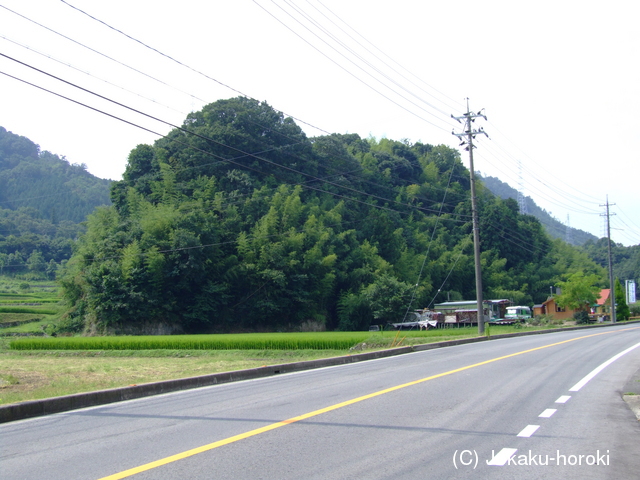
[467, 119]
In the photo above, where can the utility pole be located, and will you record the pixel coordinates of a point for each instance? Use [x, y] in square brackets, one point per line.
[612, 293]
[467, 137]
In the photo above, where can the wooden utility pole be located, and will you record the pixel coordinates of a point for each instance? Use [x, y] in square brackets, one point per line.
[467, 137]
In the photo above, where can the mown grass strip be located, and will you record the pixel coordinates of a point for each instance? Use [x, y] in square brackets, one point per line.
[250, 341]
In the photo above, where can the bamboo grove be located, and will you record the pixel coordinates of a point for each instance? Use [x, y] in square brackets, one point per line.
[237, 221]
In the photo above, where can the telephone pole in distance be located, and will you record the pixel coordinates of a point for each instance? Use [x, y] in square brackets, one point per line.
[612, 293]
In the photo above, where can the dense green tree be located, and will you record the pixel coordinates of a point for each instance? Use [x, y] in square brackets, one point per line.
[625, 260]
[579, 291]
[622, 309]
[386, 297]
[238, 222]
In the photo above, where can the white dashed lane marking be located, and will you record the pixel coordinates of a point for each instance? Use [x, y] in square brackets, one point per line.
[502, 457]
[528, 430]
[547, 413]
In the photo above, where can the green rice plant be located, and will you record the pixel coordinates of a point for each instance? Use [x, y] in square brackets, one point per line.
[34, 327]
[249, 341]
[38, 300]
[10, 319]
[42, 311]
[15, 295]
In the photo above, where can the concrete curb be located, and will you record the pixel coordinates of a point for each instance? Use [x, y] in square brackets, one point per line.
[48, 406]
[633, 402]
[631, 394]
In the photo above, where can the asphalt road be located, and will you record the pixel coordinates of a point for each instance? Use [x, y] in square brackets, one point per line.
[442, 413]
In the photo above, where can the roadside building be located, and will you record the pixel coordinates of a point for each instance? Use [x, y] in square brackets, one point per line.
[550, 307]
[466, 311]
[602, 308]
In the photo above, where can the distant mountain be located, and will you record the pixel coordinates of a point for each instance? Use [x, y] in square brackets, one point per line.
[39, 179]
[553, 226]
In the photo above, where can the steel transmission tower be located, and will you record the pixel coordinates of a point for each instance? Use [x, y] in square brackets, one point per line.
[522, 201]
[467, 137]
[568, 236]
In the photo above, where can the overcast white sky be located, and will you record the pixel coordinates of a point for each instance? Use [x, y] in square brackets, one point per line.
[559, 81]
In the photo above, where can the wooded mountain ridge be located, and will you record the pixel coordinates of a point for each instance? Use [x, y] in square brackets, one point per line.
[625, 260]
[552, 225]
[43, 200]
[44, 181]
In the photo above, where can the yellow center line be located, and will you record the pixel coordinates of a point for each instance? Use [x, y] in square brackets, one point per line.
[273, 426]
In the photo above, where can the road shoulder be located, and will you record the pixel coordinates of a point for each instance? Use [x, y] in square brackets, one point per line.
[631, 393]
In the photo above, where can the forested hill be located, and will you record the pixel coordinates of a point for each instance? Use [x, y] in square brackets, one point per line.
[41, 180]
[238, 221]
[625, 260]
[553, 226]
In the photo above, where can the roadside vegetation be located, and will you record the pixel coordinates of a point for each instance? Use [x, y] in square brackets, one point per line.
[36, 374]
[185, 243]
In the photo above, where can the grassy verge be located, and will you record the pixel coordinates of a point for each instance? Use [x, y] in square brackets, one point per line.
[51, 374]
[31, 375]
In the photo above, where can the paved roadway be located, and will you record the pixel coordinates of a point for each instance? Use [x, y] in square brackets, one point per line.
[433, 414]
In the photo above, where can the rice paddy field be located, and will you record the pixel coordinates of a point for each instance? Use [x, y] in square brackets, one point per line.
[27, 312]
[239, 341]
[66, 365]
[34, 365]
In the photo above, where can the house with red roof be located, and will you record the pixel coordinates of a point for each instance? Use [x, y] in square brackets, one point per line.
[603, 304]
[600, 309]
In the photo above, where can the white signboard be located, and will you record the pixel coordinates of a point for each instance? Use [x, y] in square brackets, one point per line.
[631, 291]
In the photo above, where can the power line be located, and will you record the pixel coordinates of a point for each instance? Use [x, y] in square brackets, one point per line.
[182, 64]
[132, 38]
[362, 59]
[218, 143]
[313, 178]
[100, 53]
[243, 154]
[90, 75]
[167, 56]
[356, 33]
[458, 104]
[346, 70]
